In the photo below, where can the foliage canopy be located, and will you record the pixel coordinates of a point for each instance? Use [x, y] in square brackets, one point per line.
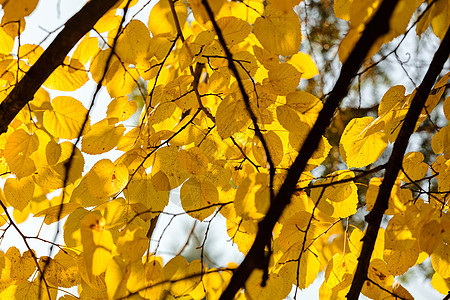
[221, 117]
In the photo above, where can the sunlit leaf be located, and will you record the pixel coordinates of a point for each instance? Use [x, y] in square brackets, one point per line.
[279, 32]
[359, 146]
[102, 137]
[66, 118]
[106, 179]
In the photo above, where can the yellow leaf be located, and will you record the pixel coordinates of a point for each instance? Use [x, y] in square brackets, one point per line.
[253, 197]
[102, 137]
[440, 143]
[275, 146]
[279, 32]
[399, 234]
[141, 190]
[358, 146]
[33, 290]
[400, 291]
[442, 285]
[115, 278]
[293, 121]
[66, 118]
[122, 80]
[106, 179]
[52, 152]
[233, 29]
[121, 108]
[302, 272]
[340, 270]
[199, 10]
[19, 192]
[86, 49]
[18, 148]
[231, 108]
[161, 21]
[196, 195]
[98, 65]
[62, 270]
[137, 35]
[440, 259]
[266, 58]
[379, 274]
[285, 5]
[247, 10]
[193, 160]
[108, 21]
[114, 212]
[293, 230]
[72, 233]
[132, 244]
[304, 64]
[413, 166]
[51, 214]
[97, 243]
[21, 267]
[166, 160]
[6, 42]
[276, 287]
[177, 269]
[242, 232]
[446, 108]
[67, 77]
[399, 197]
[53, 176]
[144, 278]
[297, 138]
[283, 79]
[306, 104]
[15, 10]
[246, 64]
[430, 236]
[433, 98]
[337, 200]
[440, 19]
[399, 261]
[342, 9]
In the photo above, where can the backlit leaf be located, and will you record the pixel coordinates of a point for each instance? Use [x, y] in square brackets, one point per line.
[62, 270]
[136, 34]
[68, 77]
[102, 137]
[106, 179]
[304, 64]
[359, 146]
[279, 32]
[18, 192]
[19, 146]
[66, 118]
[197, 194]
[121, 108]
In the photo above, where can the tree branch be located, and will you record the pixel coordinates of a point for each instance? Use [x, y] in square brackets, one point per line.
[395, 163]
[378, 26]
[74, 29]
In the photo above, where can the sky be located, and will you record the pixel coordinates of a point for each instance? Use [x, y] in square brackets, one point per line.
[50, 15]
